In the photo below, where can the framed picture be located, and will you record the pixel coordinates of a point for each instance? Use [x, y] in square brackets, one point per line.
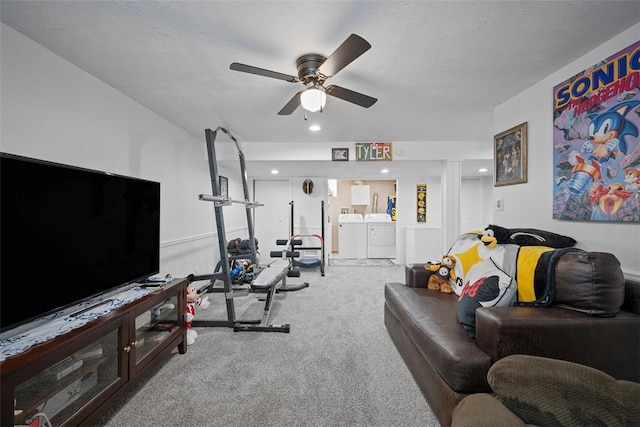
[510, 156]
[340, 154]
[224, 186]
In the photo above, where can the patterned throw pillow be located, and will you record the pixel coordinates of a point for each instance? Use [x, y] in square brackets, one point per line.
[485, 286]
[466, 250]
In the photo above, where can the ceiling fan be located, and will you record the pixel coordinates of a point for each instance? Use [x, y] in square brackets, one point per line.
[313, 71]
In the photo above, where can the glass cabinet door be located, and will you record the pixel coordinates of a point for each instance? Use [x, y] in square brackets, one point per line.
[60, 390]
[154, 326]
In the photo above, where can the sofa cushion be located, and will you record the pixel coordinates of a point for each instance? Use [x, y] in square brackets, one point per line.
[483, 410]
[429, 319]
[554, 392]
[590, 282]
[485, 286]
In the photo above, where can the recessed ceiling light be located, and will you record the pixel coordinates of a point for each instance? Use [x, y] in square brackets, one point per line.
[384, 171]
[274, 172]
[314, 128]
[483, 170]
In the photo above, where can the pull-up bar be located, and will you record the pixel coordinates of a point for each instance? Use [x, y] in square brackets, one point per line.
[225, 201]
[229, 135]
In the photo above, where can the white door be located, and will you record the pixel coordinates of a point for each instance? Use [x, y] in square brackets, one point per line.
[472, 203]
[272, 219]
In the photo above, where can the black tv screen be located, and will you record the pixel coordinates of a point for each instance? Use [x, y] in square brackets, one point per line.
[68, 234]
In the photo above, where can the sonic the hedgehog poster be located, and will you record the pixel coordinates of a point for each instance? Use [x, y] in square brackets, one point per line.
[596, 145]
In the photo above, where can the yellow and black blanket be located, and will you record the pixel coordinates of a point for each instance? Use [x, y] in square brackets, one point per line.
[535, 274]
[532, 267]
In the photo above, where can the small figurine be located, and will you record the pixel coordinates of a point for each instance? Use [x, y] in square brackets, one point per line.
[193, 300]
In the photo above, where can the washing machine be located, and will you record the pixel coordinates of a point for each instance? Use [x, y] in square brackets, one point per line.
[381, 236]
[352, 236]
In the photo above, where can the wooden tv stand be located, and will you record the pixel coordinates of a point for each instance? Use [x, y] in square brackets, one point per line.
[77, 377]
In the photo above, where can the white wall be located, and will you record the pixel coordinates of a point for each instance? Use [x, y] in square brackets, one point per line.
[418, 242]
[530, 204]
[55, 111]
[52, 110]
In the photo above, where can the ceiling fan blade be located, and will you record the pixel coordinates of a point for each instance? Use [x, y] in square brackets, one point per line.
[291, 105]
[351, 96]
[262, 72]
[346, 53]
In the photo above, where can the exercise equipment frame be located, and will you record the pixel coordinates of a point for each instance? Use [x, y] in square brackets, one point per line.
[295, 246]
[219, 201]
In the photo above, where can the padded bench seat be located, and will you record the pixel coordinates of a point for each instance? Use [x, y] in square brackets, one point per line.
[271, 275]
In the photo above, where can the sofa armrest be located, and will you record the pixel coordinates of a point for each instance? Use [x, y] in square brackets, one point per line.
[416, 276]
[611, 345]
[632, 296]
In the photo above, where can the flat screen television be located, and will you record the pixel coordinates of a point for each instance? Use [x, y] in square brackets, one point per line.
[68, 234]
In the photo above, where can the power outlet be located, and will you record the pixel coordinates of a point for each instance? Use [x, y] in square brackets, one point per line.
[499, 204]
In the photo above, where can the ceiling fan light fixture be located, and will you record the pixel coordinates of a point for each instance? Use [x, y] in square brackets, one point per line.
[313, 99]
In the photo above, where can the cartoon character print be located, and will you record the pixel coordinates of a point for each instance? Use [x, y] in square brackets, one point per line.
[607, 200]
[607, 133]
[632, 178]
[606, 141]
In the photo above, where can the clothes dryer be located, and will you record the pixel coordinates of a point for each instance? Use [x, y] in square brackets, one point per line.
[381, 236]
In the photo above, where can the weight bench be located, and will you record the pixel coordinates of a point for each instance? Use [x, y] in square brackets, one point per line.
[267, 281]
[289, 254]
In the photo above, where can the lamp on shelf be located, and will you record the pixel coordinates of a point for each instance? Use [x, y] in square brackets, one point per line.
[313, 99]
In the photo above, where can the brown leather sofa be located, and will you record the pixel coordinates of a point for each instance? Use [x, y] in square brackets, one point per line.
[448, 365]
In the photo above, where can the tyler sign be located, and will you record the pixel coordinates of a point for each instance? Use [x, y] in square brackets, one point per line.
[374, 151]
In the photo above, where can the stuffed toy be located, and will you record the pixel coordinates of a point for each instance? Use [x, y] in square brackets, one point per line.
[238, 272]
[193, 300]
[494, 234]
[443, 274]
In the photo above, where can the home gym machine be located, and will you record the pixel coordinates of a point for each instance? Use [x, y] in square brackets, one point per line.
[296, 244]
[266, 278]
[289, 254]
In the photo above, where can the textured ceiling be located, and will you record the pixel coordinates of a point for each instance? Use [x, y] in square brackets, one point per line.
[438, 68]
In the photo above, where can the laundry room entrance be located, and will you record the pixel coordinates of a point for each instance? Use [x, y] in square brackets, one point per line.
[362, 218]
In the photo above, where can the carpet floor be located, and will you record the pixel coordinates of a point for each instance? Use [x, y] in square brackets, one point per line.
[360, 262]
[337, 366]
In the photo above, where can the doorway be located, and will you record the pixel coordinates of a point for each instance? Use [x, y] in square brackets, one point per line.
[340, 201]
[272, 219]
